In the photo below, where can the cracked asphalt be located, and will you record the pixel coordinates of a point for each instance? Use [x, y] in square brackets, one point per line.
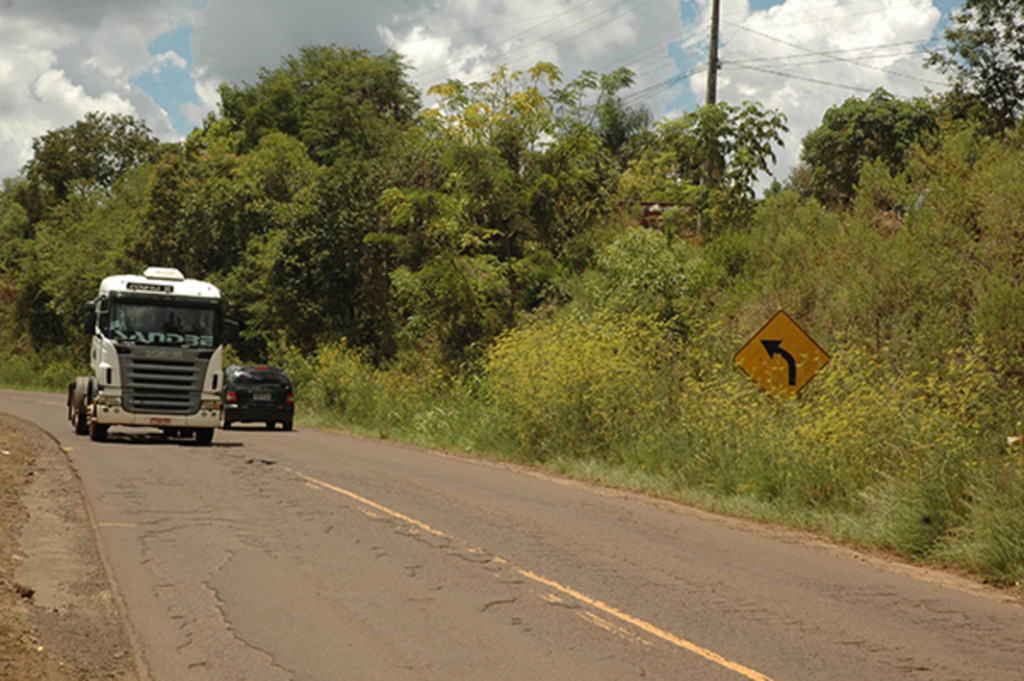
[312, 555]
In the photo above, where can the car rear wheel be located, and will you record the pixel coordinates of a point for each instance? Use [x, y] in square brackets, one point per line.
[270, 425]
[287, 425]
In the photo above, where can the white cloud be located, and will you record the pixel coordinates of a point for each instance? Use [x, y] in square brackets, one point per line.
[206, 91]
[165, 59]
[804, 56]
[467, 40]
[422, 51]
[53, 86]
[60, 59]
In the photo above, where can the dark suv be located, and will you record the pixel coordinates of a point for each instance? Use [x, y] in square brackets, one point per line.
[257, 393]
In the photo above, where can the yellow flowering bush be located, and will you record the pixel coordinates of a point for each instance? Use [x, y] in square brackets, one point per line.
[860, 422]
[573, 383]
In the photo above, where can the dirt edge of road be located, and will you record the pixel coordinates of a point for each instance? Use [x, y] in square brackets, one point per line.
[58, 617]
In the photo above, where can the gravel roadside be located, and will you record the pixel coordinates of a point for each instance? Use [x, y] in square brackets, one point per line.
[58, 618]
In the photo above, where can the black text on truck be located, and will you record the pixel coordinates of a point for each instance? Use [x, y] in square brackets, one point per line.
[156, 357]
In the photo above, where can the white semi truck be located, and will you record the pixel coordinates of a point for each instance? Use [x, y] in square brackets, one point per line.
[156, 357]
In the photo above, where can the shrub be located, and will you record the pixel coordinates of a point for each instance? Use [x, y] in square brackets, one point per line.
[579, 384]
[50, 370]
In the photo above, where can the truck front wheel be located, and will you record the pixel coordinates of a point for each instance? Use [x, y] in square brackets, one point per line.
[78, 406]
[204, 436]
[98, 431]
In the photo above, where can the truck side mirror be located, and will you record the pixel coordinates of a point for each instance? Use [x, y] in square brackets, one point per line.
[230, 331]
[90, 318]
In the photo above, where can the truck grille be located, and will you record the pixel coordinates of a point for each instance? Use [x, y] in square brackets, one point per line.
[162, 381]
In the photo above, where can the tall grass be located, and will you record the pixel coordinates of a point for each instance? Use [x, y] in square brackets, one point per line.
[339, 387]
[31, 371]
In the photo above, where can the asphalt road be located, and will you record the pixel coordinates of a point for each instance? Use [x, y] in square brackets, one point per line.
[311, 555]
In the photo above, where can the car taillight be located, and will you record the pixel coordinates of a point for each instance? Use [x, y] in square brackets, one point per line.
[232, 398]
[290, 399]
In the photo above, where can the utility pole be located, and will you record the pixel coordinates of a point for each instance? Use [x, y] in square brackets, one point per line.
[712, 94]
[710, 100]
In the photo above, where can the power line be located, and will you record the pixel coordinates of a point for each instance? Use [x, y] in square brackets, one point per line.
[861, 48]
[806, 79]
[815, 13]
[833, 57]
[653, 52]
[591, 28]
[653, 90]
[551, 17]
[652, 58]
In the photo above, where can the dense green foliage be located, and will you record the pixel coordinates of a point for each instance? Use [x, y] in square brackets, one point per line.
[84, 158]
[706, 163]
[880, 128]
[984, 55]
[474, 275]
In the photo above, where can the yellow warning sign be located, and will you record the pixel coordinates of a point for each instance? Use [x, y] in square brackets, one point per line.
[781, 357]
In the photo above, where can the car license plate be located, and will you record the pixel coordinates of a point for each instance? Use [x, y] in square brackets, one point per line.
[262, 397]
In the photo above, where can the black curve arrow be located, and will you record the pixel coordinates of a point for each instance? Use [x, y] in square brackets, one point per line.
[774, 347]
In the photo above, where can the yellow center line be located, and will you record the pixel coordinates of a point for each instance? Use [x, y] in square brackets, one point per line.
[371, 504]
[649, 628]
[594, 603]
[613, 628]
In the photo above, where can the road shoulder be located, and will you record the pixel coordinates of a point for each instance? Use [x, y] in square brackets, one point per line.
[58, 618]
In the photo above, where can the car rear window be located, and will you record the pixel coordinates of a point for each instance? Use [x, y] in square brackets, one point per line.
[253, 377]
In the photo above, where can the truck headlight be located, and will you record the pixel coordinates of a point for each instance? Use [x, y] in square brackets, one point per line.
[103, 400]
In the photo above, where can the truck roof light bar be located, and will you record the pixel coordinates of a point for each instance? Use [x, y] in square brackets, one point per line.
[164, 273]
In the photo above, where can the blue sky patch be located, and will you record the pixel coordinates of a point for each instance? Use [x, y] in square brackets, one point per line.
[169, 79]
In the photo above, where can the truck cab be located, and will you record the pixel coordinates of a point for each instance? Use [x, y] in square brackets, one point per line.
[156, 357]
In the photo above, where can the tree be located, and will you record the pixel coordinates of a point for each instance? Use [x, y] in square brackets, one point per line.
[205, 203]
[879, 128]
[984, 56]
[524, 173]
[80, 241]
[558, 149]
[325, 281]
[642, 274]
[513, 111]
[15, 228]
[92, 153]
[338, 101]
[620, 126]
[64, 221]
[707, 161]
[297, 218]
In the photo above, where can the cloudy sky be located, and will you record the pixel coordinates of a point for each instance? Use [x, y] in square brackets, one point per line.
[161, 60]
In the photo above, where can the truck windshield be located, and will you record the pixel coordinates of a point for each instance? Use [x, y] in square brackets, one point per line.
[155, 324]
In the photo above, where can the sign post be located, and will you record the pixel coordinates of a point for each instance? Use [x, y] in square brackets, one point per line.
[781, 357]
